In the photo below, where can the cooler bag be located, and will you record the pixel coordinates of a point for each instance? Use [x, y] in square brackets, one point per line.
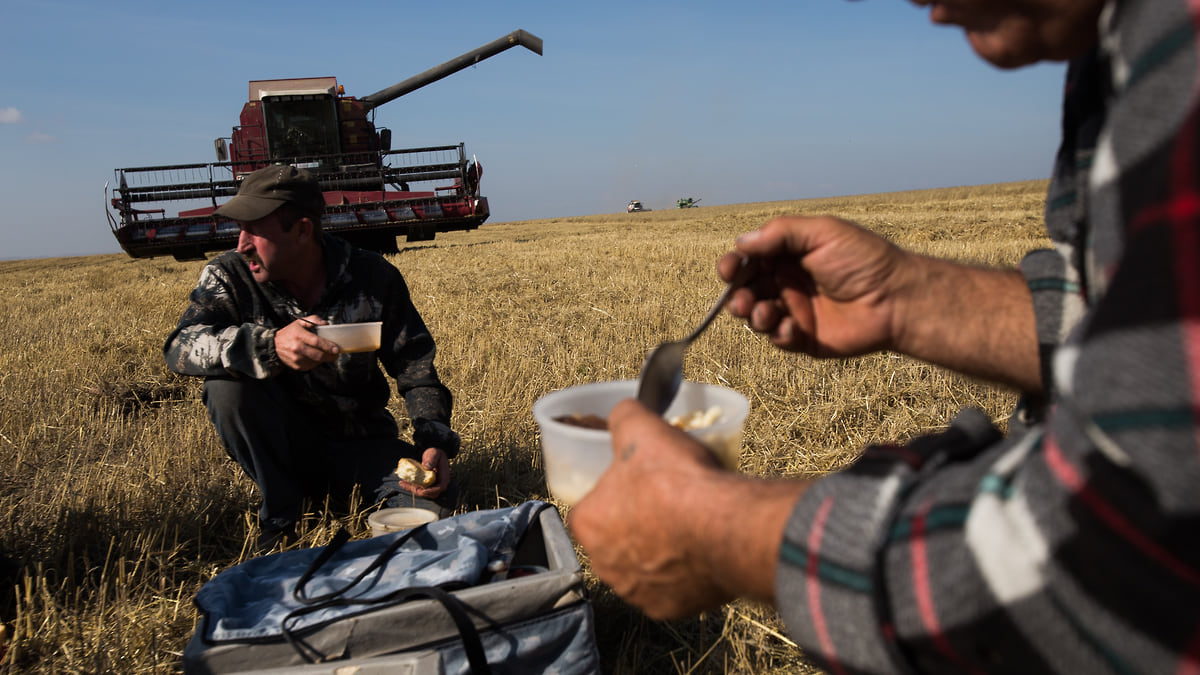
[495, 591]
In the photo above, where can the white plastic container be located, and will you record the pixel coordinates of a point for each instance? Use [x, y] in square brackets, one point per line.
[575, 456]
[354, 337]
[398, 519]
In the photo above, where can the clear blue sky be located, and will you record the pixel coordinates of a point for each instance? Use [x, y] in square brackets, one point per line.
[726, 102]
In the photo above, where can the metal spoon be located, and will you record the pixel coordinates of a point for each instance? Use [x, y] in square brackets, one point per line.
[662, 373]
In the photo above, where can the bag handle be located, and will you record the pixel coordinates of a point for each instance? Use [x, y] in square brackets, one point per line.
[339, 540]
[472, 644]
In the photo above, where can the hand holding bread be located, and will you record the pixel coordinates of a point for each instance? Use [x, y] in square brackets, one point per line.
[411, 471]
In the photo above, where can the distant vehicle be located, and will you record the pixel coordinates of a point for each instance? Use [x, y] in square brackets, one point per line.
[373, 194]
[687, 203]
[635, 205]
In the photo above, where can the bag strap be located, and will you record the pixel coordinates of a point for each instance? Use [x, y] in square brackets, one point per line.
[472, 644]
[339, 540]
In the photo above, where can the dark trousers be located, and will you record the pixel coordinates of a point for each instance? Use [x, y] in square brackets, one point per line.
[292, 459]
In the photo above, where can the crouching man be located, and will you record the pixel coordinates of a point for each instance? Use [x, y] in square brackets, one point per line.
[303, 419]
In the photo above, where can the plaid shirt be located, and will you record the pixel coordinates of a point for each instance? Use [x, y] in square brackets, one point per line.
[229, 331]
[1066, 546]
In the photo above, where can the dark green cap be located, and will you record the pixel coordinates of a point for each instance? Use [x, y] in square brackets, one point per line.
[271, 187]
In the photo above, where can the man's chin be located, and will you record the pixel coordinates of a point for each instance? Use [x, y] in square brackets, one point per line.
[998, 51]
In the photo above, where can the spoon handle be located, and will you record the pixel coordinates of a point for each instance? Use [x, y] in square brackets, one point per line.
[740, 277]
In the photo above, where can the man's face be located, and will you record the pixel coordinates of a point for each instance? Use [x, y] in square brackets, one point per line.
[1015, 33]
[269, 250]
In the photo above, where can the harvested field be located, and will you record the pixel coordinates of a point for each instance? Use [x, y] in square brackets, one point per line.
[118, 502]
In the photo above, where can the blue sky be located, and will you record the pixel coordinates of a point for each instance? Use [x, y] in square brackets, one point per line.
[726, 102]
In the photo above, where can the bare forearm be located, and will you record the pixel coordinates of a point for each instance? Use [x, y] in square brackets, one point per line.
[741, 530]
[974, 320]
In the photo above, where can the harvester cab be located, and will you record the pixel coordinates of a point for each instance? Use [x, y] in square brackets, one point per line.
[373, 194]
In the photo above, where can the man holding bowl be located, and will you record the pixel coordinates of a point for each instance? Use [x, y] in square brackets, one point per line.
[1066, 544]
[304, 419]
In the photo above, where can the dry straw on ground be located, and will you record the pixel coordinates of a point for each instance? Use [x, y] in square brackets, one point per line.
[118, 502]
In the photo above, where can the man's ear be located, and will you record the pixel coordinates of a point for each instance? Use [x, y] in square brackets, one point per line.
[305, 225]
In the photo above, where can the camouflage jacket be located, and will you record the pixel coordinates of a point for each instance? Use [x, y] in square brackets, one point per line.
[229, 329]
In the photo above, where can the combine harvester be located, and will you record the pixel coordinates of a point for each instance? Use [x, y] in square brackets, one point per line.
[373, 194]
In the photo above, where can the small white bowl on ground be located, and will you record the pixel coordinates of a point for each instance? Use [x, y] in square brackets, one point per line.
[398, 519]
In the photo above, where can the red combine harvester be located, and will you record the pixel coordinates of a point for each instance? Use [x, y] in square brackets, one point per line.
[373, 194]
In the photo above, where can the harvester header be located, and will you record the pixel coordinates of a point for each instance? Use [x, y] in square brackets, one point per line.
[373, 194]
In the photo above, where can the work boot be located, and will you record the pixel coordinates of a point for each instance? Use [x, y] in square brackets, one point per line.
[275, 534]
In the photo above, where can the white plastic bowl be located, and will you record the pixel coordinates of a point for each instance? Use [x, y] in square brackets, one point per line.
[575, 456]
[353, 337]
[399, 519]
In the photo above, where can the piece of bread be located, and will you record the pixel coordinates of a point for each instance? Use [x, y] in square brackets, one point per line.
[412, 471]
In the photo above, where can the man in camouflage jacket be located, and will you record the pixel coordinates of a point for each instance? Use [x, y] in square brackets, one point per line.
[303, 419]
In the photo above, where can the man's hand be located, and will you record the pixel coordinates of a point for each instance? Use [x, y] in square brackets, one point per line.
[825, 286]
[830, 288]
[671, 532]
[435, 459]
[299, 348]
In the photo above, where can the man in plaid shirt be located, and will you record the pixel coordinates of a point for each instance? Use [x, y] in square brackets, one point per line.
[1064, 546]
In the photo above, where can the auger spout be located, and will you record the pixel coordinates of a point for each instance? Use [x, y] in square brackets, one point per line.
[518, 37]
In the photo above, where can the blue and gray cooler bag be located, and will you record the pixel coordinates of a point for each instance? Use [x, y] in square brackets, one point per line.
[497, 591]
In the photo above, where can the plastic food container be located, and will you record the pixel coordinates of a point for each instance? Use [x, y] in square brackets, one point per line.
[575, 456]
[353, 337]
[399, 519]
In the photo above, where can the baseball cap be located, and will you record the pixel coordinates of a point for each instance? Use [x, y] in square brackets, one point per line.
[267, 189]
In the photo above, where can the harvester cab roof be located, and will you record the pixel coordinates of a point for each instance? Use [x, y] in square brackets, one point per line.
[373, 194]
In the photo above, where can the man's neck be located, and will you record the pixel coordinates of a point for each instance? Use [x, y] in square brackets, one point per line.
[309, 287]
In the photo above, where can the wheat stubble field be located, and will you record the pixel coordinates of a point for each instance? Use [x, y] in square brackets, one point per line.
[118, 502]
